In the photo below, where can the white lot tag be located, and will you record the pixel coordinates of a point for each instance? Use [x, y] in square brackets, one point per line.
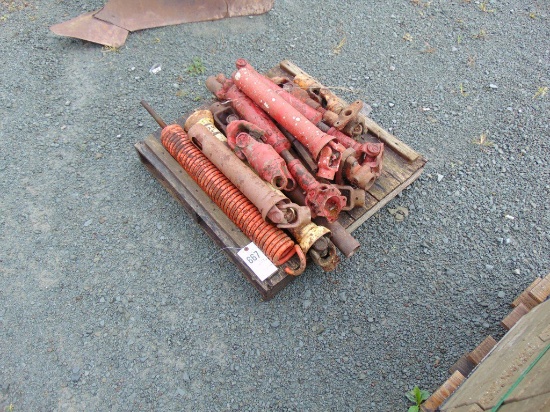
[257, 261]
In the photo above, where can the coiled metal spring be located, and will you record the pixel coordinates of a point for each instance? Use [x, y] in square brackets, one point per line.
[276, 244]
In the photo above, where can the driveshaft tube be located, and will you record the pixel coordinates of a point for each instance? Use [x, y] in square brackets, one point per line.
[324, 150]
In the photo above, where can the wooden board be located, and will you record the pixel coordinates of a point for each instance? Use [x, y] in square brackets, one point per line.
[506, 362]
[539, 403]
[399, 172]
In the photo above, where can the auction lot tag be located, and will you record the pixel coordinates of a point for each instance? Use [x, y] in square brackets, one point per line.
[257, 261]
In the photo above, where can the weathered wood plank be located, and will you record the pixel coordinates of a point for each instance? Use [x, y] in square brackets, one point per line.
[359, 221]
[443, 392]
[541, 290]
[390, 140]
[524, 296]
[383, 186]
[535, 383]
[506, 362]
[466, 408]
[514, 316]
[479, 353]
[463, 365]
[345, 219]
[539, 403]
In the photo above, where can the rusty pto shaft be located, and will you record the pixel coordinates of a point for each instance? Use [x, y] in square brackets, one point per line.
[359, 174]
[243, 137]
[313, 86]
[323, 199]
[301, 101]
[313, 239]
[273, 205]
[328, 100]
[322, 146]
[275, 244]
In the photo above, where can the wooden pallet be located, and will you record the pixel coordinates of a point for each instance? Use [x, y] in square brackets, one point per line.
[402, 166]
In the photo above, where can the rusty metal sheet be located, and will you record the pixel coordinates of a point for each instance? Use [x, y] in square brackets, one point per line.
[86, 27]
[144, 14]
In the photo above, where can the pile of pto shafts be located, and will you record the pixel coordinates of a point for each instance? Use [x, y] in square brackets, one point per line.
[279, 157]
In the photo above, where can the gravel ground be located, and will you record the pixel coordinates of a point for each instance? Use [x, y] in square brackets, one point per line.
[112, 299]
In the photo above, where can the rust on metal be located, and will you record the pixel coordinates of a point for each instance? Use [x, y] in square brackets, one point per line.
[144, 14]
[225, 89]
[273, 205]
[323, 200]
[110, 25]
[313, 239]
[361, 174]
[318, 143]
[206, 118]
[355, 197]
[343, 240]
[261, 156]
[307, 235]
[325, 257]
[275, 244]
[87, 27]
[348, 114]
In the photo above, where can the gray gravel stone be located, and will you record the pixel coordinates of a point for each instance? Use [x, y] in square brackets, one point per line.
[70, 119]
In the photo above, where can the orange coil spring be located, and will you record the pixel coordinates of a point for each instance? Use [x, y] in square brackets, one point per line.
[277, 246]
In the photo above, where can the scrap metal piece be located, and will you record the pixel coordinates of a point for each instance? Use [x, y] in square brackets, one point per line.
[144, 14]
[110, 25]
[276, 245]
[326, 259]
[87, 27]
[313, 239]
[343, 240]
[355, 197]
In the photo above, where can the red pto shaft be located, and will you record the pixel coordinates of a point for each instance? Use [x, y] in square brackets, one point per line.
[225, 89]
[362, 164]
[273, 205]
[323, 199]
[261, 156]
[322, 146]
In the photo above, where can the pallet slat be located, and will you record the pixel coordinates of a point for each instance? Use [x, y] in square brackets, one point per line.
[509, 321]
[477, 355]
[463, 365]
[524, 297]
[438, 397]
[541, 290]
[510, 358]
